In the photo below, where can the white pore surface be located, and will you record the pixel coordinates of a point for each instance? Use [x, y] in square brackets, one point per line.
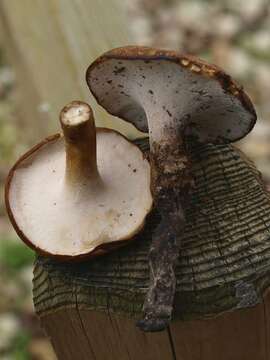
[74, 220]
[158, 95]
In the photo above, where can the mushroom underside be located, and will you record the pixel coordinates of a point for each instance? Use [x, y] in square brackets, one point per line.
[158, 94]
[68, 220]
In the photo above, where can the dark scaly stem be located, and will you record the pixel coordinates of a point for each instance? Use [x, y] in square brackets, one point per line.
[170, 178]
[163, 256]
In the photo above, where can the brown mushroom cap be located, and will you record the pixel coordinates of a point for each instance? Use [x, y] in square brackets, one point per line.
[60, 214]
[158, 89]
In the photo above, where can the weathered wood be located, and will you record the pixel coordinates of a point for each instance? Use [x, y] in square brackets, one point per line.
[50, 44]
[224, 261]
[81, 334]
[239, 335]
[266, 309]
[86, 334]
[107, 293]
[65, 330]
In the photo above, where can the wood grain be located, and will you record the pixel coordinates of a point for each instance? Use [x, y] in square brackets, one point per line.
[238, 335]
[87, 334]
[50, 44]
[81, 334]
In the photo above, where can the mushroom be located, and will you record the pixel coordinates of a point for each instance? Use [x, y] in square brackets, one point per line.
[176, 98]
[80, 194]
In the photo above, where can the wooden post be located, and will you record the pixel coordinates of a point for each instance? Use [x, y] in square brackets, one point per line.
[87, 334]
[77, 331]
[221, 310]
[50, 44]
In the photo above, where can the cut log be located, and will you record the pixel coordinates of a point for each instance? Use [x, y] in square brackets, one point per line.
[86, 334]
[221, 310]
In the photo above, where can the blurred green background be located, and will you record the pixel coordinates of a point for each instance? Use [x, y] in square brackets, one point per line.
[38, 76]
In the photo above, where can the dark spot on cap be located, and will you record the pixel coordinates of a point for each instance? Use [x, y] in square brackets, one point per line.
[109, 81]
[134, 170]
[151, 92]
[119, 70]
[167, 111]
[204, 106]
[123, 93]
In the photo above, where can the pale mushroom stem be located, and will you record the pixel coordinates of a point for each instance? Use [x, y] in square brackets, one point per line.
[77, 121]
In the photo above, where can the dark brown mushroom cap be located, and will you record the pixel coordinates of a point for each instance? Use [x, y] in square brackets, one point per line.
[141, 85]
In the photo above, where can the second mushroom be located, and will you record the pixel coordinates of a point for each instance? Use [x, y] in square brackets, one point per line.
[176, 98]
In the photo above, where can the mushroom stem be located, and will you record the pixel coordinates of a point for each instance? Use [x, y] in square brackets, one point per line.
[170, 184]
[163, 256]
[169, 161]
[77, 121]
[170, 166]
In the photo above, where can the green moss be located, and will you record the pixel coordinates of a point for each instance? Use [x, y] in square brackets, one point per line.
[14, 255]
[19, 347]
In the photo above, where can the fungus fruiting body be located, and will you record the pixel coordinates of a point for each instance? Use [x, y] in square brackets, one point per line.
[71, 196]
[176, 98]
